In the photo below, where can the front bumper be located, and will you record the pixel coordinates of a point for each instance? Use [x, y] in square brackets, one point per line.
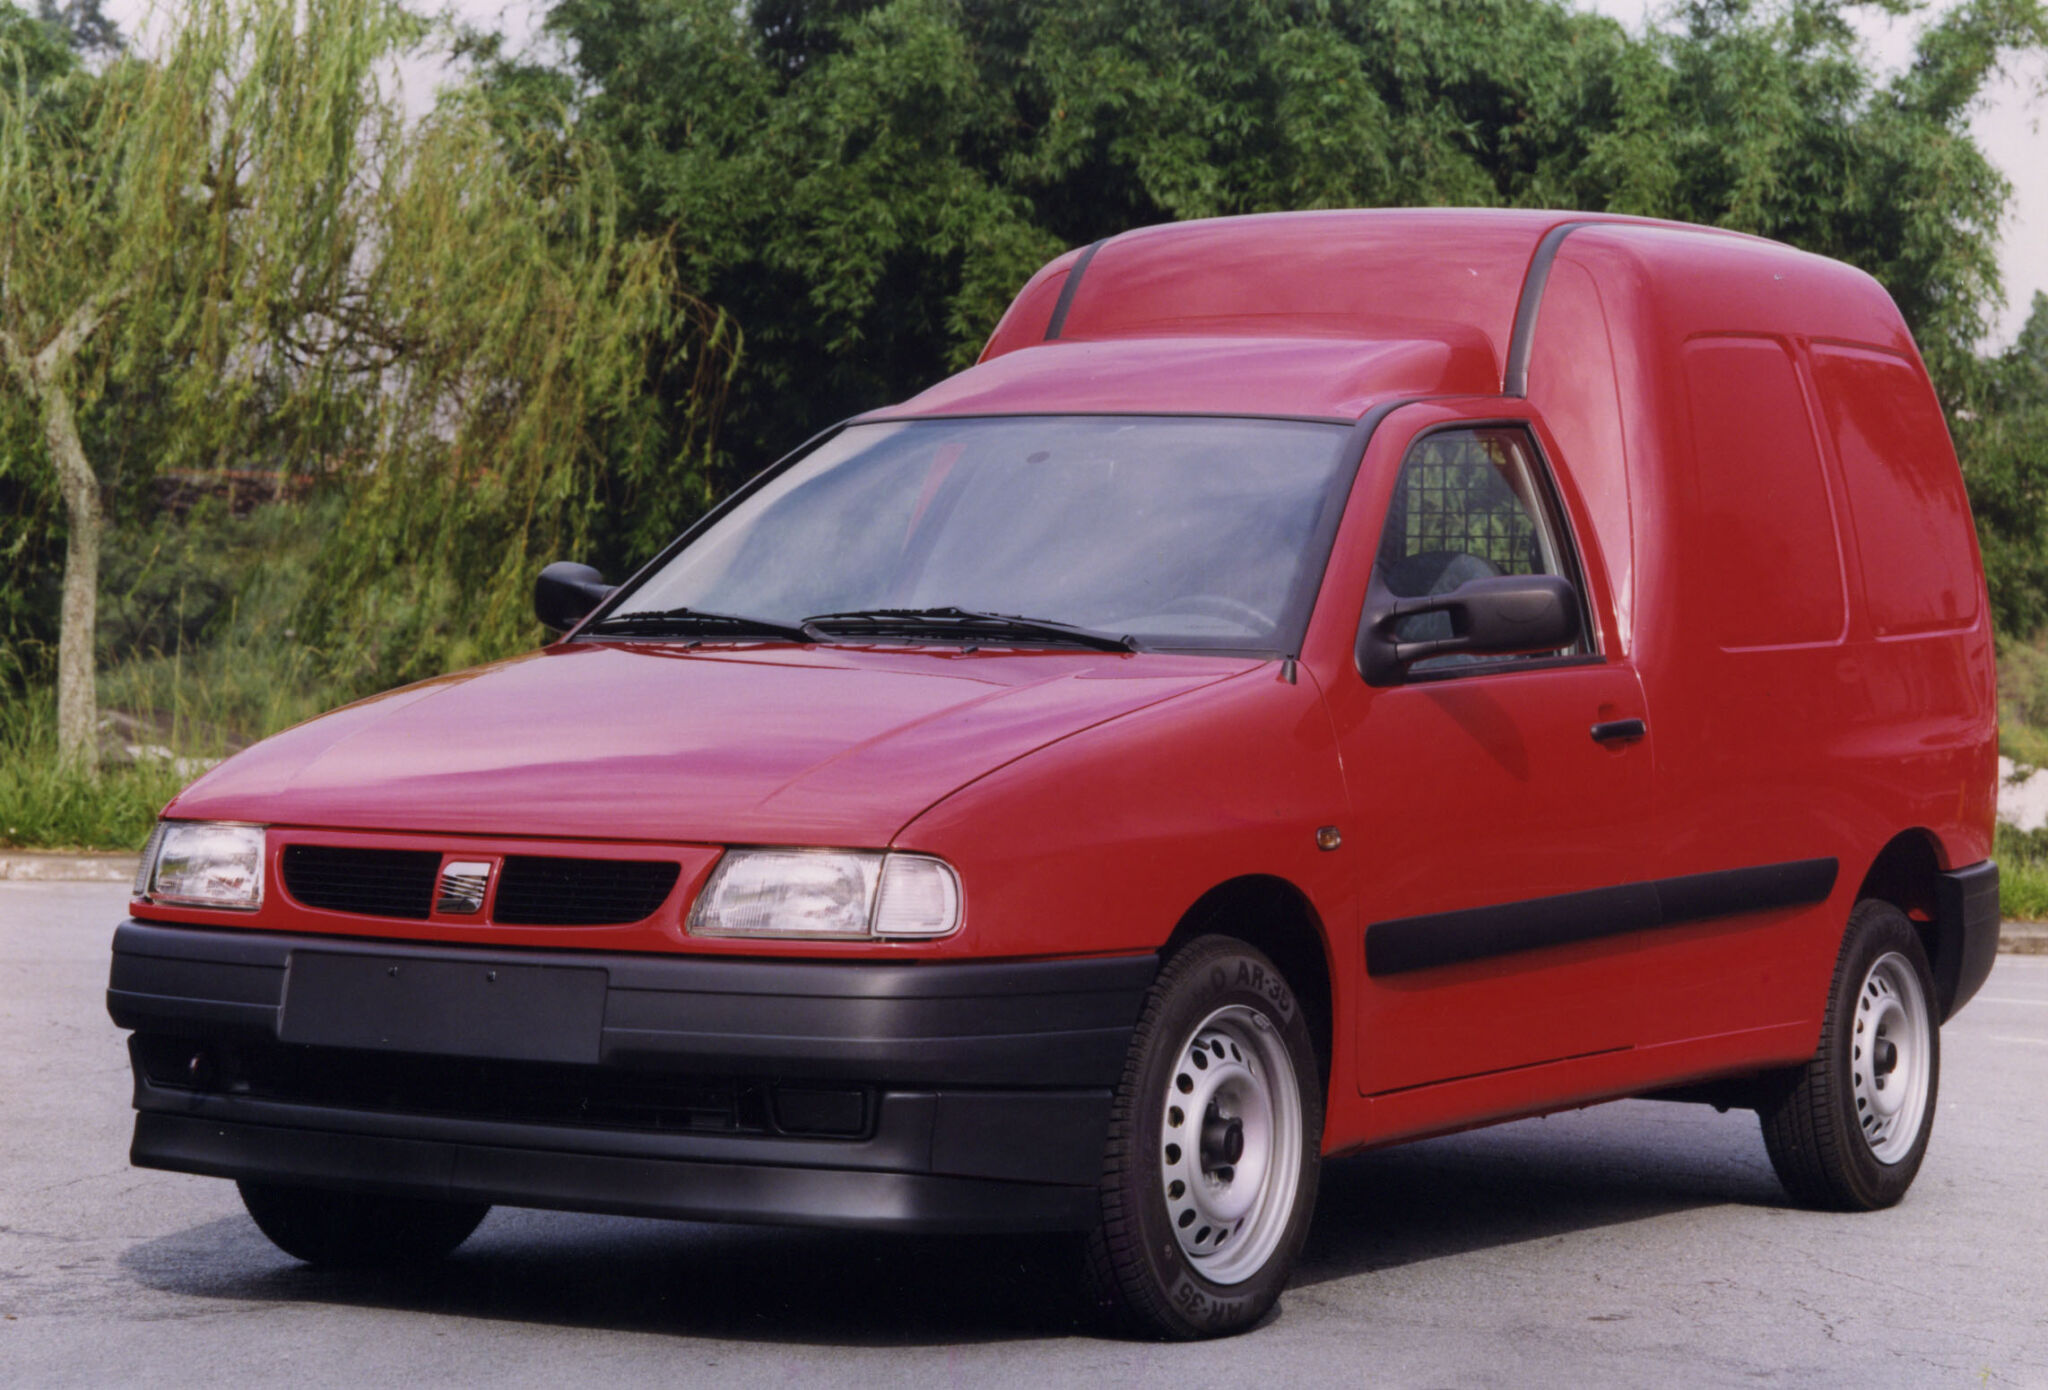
[937, 1097]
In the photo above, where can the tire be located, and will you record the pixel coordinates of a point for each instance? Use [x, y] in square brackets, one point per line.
[1847, 1131]
[354, 1230]
[1215, 1135]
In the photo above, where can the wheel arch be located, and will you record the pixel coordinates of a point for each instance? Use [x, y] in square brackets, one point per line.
[1271, 913]
[1908, 873]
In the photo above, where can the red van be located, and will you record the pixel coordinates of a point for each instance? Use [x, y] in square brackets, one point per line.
[1320, 680]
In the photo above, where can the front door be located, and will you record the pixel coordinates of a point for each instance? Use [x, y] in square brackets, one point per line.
[1504, 803]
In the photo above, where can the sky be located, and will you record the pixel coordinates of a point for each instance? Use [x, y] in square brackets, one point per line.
[2009, 132]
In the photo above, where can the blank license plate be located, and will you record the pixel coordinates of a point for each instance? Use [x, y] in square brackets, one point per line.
[526, 1013]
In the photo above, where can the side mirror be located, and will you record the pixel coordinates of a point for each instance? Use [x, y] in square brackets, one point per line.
[1504, 616]
[566, 593]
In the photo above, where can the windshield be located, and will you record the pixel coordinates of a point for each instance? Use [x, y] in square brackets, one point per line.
[1175, 532]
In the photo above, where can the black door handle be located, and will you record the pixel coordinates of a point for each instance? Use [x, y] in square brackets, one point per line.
[1619, 731]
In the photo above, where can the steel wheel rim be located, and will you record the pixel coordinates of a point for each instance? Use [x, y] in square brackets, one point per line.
[1891, 1057]
[1230, 1144]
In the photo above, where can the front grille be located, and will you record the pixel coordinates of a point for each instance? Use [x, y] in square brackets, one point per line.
[369, 882]
[537, 892]
[514, 1092]
[533, 890]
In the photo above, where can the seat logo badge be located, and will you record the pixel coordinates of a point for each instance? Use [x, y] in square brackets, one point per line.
[462, 886]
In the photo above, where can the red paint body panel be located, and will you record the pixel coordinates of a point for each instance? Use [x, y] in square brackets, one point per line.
[1392, 276]
[657, 742]
[1332, 378]
[1089, 801]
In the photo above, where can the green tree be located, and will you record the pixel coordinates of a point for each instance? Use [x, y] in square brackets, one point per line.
[2003, 441]
[244, 250]
[82, 23]
[862, 183]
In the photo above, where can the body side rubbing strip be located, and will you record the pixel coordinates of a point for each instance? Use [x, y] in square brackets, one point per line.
[1480, 933]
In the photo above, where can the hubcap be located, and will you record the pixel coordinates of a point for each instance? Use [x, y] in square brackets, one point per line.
[1891, 1057]
[1230, 1144]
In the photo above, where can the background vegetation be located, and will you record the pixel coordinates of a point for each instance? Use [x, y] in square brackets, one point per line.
[593, 290]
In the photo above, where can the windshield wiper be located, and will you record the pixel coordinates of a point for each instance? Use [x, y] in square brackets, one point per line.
[961, 624]
[691, 622]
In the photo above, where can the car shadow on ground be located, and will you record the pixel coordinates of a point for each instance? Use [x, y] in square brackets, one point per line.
[1634, 1161]
[1377, 1211]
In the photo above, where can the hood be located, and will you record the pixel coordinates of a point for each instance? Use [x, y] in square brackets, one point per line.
[774, 745]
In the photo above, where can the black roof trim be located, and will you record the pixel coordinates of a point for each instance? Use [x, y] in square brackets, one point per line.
[1515, 380]
[1066, 299]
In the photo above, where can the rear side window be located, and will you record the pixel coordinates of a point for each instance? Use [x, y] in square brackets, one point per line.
[1765, 569]
[1906, 498]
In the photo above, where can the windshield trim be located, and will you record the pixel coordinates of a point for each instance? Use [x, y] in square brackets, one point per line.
[1293, 626]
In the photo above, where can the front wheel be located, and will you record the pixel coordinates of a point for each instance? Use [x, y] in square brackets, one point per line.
[357, 1230]
[1215, 1134]
[1848, 1130]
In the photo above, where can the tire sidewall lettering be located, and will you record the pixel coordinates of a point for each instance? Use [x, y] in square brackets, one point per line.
[1250, 977]
[1202, 1306]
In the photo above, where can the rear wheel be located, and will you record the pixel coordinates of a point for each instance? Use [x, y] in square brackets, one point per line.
[1847, 1131]
[1215, 1133]
[357, 1230]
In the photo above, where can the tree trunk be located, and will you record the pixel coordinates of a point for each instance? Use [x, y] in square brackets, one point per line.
[77, 697]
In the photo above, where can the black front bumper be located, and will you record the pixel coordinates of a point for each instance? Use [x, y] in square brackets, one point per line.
[939, 1097]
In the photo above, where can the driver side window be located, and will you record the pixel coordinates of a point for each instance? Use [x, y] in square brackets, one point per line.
[1469, 504]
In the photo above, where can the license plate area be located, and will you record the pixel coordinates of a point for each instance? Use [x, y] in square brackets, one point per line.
[451, 1008]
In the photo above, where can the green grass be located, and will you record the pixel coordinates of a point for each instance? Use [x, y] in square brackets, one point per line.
[2023, 701]
[2022, 873]
[45, 804]
[198, 657]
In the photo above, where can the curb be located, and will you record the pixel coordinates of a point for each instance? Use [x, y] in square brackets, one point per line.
[36, 866]
[2023, 939]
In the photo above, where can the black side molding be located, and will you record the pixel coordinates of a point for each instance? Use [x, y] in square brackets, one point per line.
[1965, 934]
[1058, 321]
[1480, 933]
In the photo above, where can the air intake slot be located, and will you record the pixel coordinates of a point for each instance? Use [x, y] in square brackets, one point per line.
[367, 882]
[538, 892]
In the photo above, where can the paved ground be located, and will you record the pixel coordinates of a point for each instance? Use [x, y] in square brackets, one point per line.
[1634, 1244]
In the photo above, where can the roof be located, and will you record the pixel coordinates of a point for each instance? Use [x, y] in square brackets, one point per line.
[1322, 377]
[1302, 313]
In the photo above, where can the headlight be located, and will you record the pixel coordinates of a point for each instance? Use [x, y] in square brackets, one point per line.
[203, 864]
[828, 895]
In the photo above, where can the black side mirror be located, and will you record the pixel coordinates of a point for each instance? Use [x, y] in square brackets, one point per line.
[566, 593]
[1505, 616]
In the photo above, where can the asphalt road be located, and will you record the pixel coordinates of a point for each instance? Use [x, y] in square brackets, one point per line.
[1631, 1244]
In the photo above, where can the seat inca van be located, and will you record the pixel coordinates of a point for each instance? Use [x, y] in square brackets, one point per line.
[1320, 680]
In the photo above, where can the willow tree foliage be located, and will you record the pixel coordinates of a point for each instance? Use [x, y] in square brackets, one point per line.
[862, 183]
[241, 247]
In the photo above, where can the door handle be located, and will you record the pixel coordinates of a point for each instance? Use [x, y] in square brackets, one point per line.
[1619, 731]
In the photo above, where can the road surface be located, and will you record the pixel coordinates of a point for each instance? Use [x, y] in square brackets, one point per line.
[1631, 1244]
